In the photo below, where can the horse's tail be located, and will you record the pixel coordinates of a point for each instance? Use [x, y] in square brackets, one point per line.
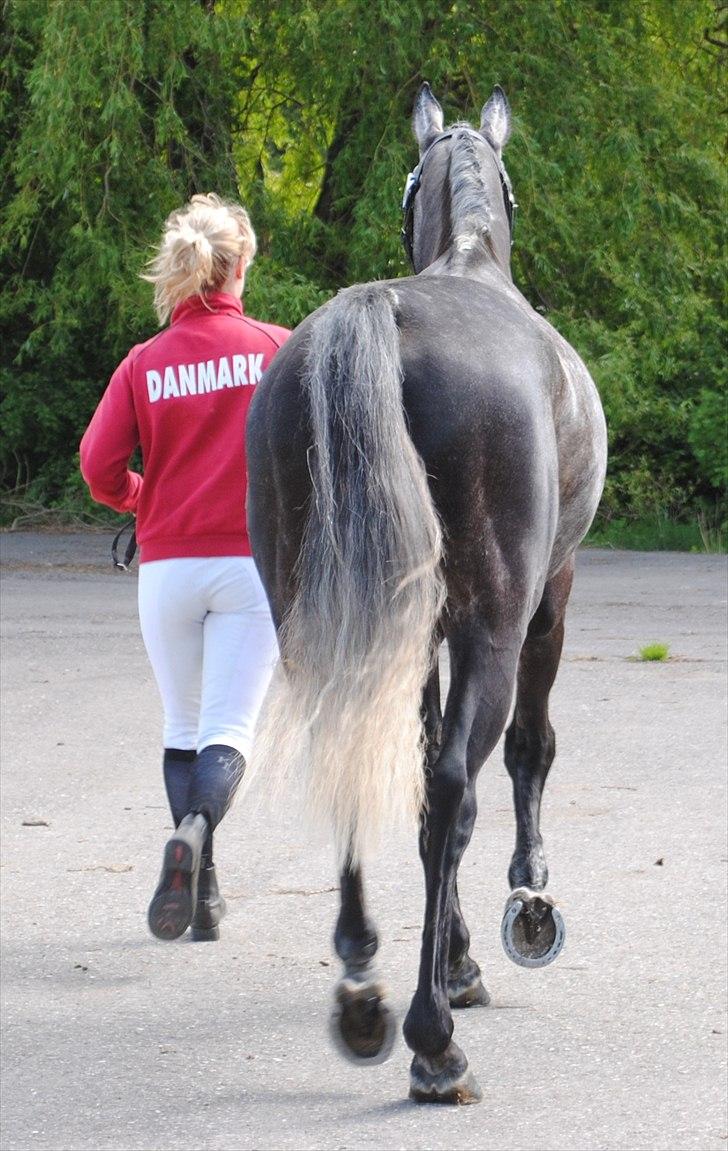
[357, 643]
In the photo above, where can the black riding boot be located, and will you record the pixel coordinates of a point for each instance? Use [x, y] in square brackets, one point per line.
[173, 903]
[210, 906]
[177, 772]
[216, 776]
[169, 911]
[187, 892]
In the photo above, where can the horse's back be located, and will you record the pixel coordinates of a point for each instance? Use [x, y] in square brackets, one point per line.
[498, 412]
[474, 375]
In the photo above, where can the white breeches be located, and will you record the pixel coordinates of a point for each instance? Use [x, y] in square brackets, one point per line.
[212, 646]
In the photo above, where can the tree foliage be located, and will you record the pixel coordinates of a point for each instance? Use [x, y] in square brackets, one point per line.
[112, 113]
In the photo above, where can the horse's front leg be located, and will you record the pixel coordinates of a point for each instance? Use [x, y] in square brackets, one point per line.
[465, 986]
[362, 1025]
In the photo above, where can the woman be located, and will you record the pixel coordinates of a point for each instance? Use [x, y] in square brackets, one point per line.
[183, 396]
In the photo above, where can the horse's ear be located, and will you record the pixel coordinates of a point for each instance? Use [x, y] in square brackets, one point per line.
[427, 118]
[495, 120]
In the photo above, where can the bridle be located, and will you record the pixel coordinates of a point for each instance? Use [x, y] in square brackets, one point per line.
[414, 180]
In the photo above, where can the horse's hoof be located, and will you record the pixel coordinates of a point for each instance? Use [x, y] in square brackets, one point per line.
[532, 931]
[443, 1078]
[465, 989]
[362, 1026]
[475, 995]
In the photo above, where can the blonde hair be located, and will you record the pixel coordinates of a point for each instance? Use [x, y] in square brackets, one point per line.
[201, 245]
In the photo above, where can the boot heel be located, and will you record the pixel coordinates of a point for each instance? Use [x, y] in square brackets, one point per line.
[205, 935]
[178, 857]
[210, 906]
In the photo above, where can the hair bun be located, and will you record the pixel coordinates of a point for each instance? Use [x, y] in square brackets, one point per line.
[193, 237]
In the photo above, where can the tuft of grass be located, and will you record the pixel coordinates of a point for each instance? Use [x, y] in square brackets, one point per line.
[713, 532]
[654, 653]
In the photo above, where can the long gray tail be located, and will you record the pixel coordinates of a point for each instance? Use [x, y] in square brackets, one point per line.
[356, 646]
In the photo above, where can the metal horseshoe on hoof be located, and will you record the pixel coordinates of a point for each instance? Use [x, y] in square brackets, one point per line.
[533, 930]
[363, 1029]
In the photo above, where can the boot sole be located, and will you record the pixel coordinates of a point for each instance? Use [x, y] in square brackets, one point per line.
[171, 910]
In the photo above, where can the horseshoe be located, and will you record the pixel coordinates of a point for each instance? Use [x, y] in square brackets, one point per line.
[520, 936]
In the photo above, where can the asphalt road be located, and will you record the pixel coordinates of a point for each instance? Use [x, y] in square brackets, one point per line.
[112, 1039]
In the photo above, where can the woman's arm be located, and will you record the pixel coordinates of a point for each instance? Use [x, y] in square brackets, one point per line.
[109, 441]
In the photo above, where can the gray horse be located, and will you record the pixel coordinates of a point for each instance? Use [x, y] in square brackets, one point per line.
[425, 455]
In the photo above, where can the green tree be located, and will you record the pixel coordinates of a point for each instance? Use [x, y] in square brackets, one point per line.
[112, 113]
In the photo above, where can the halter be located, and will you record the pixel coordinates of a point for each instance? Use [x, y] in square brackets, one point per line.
[412, 187]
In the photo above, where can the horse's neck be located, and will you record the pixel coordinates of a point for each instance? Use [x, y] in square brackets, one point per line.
[471, 259]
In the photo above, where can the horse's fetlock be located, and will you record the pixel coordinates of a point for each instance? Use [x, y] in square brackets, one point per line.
[528, 867]
[356, 948]
[428, 1025]
[459, 944]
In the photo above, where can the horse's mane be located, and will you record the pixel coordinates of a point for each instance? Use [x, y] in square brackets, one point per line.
[469, 205]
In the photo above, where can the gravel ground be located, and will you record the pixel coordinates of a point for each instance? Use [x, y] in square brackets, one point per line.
[112, 1039]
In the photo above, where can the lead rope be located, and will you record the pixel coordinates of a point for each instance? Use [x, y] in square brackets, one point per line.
[131, 547]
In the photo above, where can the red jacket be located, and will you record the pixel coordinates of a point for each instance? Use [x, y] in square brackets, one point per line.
[183, 396]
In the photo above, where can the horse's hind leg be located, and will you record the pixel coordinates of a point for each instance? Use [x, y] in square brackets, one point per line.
[530, 744]
[477, 708]
[529, 752]
[464, 983]
[362, 1025]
